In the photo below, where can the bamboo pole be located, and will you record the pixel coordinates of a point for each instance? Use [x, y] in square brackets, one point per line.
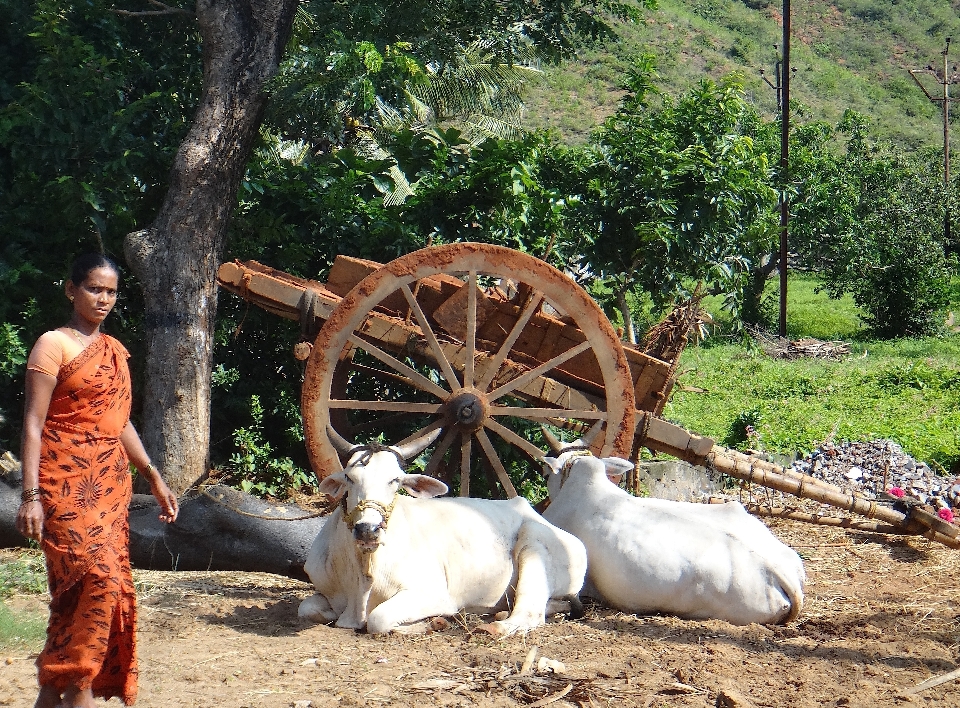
[767, 474]
[784, 512]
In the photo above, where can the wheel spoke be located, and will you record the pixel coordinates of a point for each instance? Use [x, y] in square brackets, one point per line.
[445, 367]
[417, 379]
[511, 437]
[545, 413]
[471, 327]
[529, 376]
[465, 450]
[441, 449]
[498, 467]
[397, 406]
[532, 304]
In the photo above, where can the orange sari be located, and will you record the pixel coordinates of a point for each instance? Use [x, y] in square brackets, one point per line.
[85, 490]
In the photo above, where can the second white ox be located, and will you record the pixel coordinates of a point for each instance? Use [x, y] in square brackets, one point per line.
[385, 561]
[696, 561]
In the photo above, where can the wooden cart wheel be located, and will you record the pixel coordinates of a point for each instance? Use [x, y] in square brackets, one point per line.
[475, 339]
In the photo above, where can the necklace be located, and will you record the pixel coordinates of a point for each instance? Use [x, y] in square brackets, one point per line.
[76, 335]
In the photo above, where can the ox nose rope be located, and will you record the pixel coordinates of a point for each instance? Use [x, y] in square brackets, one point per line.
[350, 516]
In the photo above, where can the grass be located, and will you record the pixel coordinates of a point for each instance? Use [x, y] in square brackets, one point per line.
[906, 390]
[852, 54]
[23, 631]
[21, 573]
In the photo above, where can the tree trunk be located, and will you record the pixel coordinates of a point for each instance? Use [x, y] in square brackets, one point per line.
[753, 293]
[176, 258]
[629, 330]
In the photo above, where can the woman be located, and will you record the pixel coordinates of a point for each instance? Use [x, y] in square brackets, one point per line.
[77, 445]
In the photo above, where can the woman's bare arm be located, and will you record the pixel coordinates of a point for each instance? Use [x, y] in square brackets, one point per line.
[136, 453]
[39, 390]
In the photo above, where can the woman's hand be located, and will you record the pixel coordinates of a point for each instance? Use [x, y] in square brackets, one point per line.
[30, 519]
[169, 508]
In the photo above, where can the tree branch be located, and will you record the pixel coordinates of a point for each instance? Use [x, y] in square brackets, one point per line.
[164, 10]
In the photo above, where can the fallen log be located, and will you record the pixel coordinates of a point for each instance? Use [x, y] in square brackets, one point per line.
[219, 528]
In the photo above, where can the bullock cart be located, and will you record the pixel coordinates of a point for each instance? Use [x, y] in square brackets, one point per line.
[489, 345]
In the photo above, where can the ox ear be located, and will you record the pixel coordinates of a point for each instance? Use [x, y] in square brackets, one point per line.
[551, 465]
[413, 448]
[420, 485]
[616, 466]
[333, 485]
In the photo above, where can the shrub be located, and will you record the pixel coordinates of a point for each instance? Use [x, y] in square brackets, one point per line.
[255, 465]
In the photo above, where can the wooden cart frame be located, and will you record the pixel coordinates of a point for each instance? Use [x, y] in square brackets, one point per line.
[482, 342]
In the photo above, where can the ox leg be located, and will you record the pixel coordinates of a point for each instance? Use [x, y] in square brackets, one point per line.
[355, 614]
[405, 607]
[533, 592]
[317, 609]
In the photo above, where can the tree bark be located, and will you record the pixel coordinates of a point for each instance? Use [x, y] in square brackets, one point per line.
[176, 258]
[753, 293]
[629, 330]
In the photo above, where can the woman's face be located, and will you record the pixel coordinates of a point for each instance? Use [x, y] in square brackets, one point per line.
[94, 297]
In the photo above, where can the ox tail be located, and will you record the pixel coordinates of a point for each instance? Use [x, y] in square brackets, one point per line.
[794, 593]
[576, 607]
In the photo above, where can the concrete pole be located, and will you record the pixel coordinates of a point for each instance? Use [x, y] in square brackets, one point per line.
[784, 165]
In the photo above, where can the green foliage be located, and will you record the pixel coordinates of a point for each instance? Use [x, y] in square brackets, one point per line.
[354, 67]
[744, 428]
[27, 574]
[256, 467]
[13, 353]
[905, 389]
[92, 108]
[917, 375]
[870, 219]
[677, 191]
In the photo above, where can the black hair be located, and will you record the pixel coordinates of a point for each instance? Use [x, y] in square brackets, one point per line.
[82, 265]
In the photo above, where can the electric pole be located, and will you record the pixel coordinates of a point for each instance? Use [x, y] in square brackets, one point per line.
[946, 79]
[782, 88]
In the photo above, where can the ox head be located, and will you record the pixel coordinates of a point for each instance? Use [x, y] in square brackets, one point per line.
[576, 458]
[370, 482]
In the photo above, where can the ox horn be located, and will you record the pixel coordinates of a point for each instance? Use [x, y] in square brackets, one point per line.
[588, 438]
[344, 447]
[417, 445]
[552, 440]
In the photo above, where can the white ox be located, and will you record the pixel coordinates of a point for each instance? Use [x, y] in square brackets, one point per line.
[696, 561]
[385, 561]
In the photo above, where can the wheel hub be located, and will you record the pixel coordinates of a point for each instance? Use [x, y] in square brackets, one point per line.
[468, 409]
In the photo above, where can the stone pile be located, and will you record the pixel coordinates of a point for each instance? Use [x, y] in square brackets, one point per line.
[873, 467]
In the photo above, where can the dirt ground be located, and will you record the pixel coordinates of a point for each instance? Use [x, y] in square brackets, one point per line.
[882, 615]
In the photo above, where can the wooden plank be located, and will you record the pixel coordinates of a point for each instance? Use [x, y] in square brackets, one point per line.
[651, 376]
[280, 296]
[674, 440]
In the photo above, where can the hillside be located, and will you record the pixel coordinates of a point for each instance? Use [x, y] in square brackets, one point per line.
[848, 54]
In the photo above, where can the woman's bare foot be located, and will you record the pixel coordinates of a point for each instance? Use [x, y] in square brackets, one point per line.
[74, 697]
[49, 697]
